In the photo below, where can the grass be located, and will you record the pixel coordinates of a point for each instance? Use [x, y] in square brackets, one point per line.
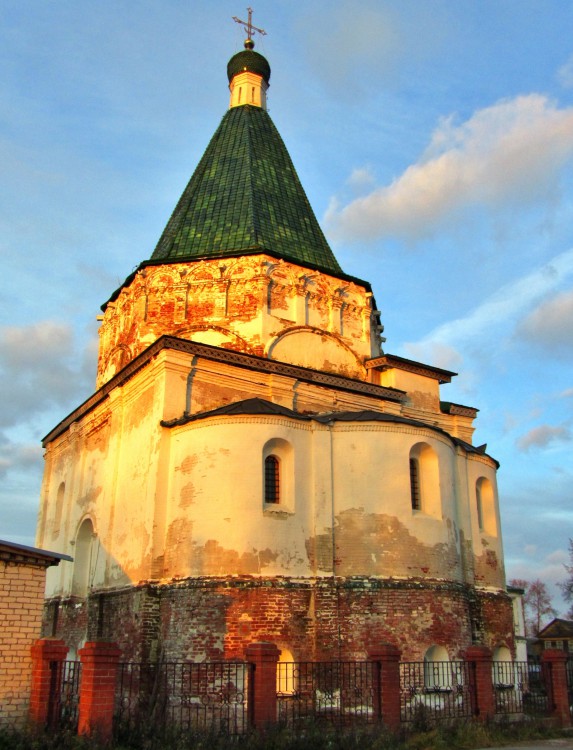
[458, 737]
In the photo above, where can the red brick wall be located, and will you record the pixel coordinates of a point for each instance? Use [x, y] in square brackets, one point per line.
[214, 618]
[21, 599]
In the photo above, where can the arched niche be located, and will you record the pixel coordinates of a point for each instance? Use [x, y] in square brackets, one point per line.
[83, 559]
[424, 469]
[485, 506]
[437, 669]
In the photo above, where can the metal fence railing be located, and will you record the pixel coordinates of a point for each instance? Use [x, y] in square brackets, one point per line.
[337, 692]
[434, 691]
[519, 687]
[200, 697]
[64, 694]
[569, 673]
[215, 695]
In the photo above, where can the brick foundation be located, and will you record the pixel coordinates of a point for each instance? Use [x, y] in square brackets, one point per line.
[212, 618]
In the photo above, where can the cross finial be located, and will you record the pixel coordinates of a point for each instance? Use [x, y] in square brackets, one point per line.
[249, 28]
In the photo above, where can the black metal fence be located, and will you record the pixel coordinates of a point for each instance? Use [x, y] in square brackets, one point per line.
[569, 672]
[64, 694]
[205, 697]
[520, 687]
[337, 692]
[213, 696]
[435, 691]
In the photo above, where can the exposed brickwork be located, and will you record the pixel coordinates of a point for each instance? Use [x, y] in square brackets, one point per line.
[97, 690]
[213, 618]
[47, 657]
[67, 616]
[236, 302]
[554, 663]
[387, 684]
[263, 684]
[21, 602]
[480, 658]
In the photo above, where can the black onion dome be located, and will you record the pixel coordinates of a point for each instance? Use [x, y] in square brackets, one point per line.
[249, 60]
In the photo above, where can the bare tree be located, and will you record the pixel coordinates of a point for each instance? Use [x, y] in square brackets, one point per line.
[567, 585]
[537, 604]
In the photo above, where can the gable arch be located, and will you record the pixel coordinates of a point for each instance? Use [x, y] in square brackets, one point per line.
[311, 347]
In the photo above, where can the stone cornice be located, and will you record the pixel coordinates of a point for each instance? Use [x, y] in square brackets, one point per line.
[391, 361]
[226, 356]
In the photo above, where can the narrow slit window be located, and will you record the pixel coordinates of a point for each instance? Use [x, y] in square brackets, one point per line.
[479, 506]
[415, 484]
[272, 480]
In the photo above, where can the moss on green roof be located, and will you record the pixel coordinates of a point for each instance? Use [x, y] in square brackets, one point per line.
[245, 197]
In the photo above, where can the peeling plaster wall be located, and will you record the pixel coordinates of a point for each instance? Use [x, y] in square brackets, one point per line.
[180, 523]
[187, 501]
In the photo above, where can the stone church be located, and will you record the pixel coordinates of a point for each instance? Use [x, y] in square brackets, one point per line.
[252, 465]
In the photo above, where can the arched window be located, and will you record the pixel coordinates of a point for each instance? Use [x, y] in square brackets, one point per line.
[485, 502]
[83, 559]
[272, 479]
[425, 480]
[415, 484]
[437, 669]
[278, 477]
[479, 507]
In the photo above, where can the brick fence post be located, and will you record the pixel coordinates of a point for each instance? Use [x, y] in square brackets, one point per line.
[554, 669]
[386, 658]
[262, 707]
[479, 660]
[48, 655]
[97, 688]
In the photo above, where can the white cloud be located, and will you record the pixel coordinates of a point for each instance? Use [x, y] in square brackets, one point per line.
[550, 325]
[565, 74]
[540, 437]
[19, 456]
[40, 368]
[506, 304]
[506, 154]
[361, 178]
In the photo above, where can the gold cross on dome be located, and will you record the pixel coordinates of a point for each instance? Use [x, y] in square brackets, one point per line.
[248, 25]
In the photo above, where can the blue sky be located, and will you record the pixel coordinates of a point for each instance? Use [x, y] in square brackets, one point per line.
[434, 139]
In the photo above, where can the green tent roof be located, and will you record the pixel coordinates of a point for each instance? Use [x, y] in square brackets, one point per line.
[245, 197]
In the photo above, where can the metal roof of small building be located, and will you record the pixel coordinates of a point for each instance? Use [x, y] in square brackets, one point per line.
[245, 197]
[21, 553]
